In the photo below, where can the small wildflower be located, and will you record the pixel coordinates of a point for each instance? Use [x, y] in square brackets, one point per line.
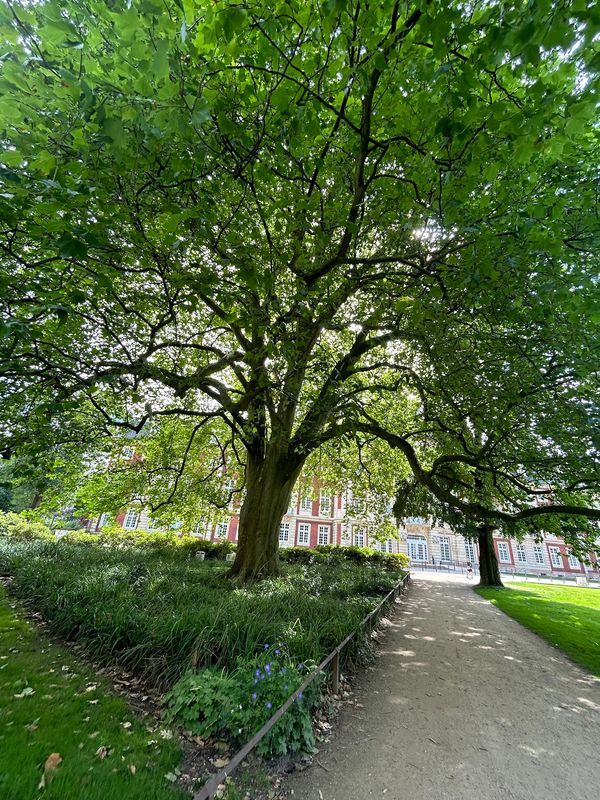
[268, 669]
[257, 672]
[255, 681]
[300, 696]
[254, 695]
[269, 705]
[300, 666]
[277, 651]
[266, 647]
[283, 670]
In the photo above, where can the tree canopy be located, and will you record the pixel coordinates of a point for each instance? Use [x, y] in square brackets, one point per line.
[280, 222]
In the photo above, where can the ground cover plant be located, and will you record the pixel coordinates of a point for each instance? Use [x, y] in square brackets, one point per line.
[239, 652]
[158, 612]
[567, 617]
[50, 704]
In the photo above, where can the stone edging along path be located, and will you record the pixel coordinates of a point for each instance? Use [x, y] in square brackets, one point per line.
[463, 703]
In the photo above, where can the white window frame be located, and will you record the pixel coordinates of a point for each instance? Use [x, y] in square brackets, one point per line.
[306, 504]
[324, 503]
[284, 533]
[574, 561]
[521, 553]
[418, 549]
[103, 519]
[324, 532]
[132, 516]
[303, 534]
[359, 536]
[387, 546]
[504, 553]
[221, 530]
[538, 554]
[470, 552]
[445, 550]
[555, 556]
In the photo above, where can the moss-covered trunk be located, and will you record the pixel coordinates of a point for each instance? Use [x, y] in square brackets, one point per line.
[269, 484]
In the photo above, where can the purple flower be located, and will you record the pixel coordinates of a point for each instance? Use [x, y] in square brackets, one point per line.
[269, 705]
[300, 696]
[300, 666]
[268, 669]
[266, 647]
[254, 695]
[257, 672]
[277, 651]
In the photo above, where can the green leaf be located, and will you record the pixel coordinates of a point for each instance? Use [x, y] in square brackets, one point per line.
[69, 247]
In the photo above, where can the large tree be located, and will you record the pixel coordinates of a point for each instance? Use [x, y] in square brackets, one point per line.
[256, 215]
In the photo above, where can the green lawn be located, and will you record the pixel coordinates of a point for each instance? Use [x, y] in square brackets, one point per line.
[49, 703]
[567, 617]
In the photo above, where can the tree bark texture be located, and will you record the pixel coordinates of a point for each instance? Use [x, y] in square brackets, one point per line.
[269, 484]
[489, 573]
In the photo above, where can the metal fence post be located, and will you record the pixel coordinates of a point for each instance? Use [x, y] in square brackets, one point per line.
[335, 673]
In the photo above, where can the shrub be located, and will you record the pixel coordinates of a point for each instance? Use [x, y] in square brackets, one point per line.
[237, 704]
[18, 528]
[335, 554]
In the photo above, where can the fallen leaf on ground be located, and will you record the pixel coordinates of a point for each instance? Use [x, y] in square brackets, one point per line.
[131, 768]
[126, 725]
[27, 692]
[102, 752]
[33, 726]
[221, 762]
[50, 766]
[170, 776]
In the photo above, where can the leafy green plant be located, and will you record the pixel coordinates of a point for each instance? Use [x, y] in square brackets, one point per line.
[18, 528]
[237, 704]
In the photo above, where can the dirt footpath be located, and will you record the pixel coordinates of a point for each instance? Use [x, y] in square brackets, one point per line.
[463, 703]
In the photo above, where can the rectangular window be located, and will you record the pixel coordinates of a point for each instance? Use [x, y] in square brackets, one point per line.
[417, 549]
[324, 503]
[284, 533]
[306, 504]
[324, 534]
[198, 528]
[304, 533]
[387, 547]
[521, 554]
[573, 561]
[470, 551]
[346, 535]
[131, 519]
[293, 504]
[151, 525]
[221, 529]
[104, 517]
[538, 554]
[503, 552]
[359, 537]
[445, 548]
[555, 558]
[358, 505]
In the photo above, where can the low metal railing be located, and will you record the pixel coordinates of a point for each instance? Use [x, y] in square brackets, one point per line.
[333, 661]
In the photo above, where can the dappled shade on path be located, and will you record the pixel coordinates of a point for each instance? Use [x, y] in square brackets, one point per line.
[463, 703]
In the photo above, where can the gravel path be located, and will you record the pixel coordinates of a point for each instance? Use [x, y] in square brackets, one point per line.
[462, 703]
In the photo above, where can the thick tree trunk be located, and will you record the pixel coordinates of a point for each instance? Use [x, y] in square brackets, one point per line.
[269, 484]
[489, 573]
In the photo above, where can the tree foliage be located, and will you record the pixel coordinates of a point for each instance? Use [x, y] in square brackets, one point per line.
[279, 223]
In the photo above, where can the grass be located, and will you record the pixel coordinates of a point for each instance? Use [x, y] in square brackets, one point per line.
[51, 704]
[159, 612]
[567, 617]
